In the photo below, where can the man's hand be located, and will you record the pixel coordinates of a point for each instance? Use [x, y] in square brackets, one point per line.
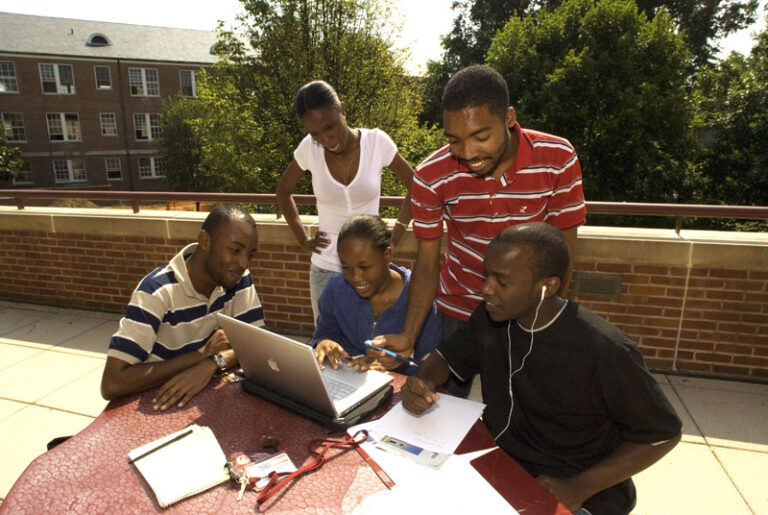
[330, 350]
[565, 490]
[418, 395]
[216, 343]
[399, 343]
[184, 385]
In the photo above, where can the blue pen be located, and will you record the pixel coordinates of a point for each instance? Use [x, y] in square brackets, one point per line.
[389, 353]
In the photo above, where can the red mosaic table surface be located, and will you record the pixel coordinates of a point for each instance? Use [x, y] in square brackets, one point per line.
[89, 473]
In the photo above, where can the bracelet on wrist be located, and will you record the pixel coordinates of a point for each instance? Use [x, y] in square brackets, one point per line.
[402, 224]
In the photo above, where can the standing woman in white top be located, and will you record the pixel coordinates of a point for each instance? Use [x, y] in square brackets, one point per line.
[346, 166]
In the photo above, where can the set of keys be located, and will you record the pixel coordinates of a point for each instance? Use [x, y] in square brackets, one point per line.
[256, 470]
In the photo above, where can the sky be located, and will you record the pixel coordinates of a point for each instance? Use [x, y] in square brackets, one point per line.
[423, 21]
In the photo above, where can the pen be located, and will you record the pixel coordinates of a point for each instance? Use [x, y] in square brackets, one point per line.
[153, 449]
[389, 353]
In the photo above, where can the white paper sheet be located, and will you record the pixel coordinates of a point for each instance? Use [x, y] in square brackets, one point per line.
[455, 488]
[439, 429]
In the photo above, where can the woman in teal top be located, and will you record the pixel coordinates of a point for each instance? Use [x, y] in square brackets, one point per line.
[367, 299]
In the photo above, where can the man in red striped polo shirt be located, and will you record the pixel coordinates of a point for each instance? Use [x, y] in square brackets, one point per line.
[492, 174]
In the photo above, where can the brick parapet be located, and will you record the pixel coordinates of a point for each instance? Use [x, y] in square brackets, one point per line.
[691, 305]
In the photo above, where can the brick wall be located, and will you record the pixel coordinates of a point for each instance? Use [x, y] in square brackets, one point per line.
[693, 305]
[78, 270]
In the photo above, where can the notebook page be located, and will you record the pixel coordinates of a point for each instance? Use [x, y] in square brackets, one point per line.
[184, 467]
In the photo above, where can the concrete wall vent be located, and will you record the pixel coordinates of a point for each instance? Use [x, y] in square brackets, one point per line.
[597, 285]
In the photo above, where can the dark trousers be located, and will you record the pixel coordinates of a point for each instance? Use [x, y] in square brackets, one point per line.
[456, 386]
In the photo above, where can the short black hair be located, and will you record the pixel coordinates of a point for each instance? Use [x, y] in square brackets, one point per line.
[476, 86]
[549, 250]
[317, 94]
[366, 227]
[222, 215]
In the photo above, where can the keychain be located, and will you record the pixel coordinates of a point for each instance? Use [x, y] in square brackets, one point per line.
[237, 465]
[256, 470]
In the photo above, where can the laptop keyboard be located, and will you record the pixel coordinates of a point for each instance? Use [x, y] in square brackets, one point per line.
[338, 389]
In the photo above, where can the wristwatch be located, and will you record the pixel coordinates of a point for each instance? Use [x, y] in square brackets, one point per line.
[221, 363]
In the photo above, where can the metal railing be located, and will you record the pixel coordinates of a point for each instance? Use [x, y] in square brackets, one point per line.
[679, 211]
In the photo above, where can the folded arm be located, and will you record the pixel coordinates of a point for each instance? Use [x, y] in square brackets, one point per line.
[181, 377]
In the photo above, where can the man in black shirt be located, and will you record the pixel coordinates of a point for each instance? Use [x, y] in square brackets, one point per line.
[567, 393]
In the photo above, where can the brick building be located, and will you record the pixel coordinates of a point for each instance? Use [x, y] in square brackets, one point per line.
[82, 99]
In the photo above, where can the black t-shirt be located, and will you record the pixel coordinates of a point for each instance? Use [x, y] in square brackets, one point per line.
[581, 390]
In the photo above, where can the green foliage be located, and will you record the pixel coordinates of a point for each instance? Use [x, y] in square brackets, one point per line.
[703, 23]
[614, 84]
[344, 42]
[732, 124]
[240, 133]
[10, 160]
[474, 27]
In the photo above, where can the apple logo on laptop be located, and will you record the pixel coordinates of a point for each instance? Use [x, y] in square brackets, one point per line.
[273, 365]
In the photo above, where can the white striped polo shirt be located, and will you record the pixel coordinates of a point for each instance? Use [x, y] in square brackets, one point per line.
[167, 317]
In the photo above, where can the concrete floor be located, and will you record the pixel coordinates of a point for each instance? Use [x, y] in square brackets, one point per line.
[51, 361]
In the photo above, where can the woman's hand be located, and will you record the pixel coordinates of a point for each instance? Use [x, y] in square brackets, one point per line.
[317, 243]
[330, 350]
[363, 363]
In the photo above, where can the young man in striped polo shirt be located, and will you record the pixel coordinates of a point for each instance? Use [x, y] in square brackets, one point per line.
[491, 175]
[169, 335]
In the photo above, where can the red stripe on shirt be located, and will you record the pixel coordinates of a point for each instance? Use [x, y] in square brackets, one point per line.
[542, 185]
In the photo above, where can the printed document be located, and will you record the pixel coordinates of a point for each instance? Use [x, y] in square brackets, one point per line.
[439, 429]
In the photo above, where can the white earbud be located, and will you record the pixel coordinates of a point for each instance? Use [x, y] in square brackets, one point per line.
[543, 292]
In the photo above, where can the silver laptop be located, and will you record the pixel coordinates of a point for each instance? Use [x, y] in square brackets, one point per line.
[290, 369]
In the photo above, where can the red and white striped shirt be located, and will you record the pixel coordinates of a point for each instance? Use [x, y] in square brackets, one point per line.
[542, 185]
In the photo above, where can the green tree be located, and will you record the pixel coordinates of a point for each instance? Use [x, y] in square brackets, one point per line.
[476, 23]
[10, 160]
[704, 22]
[614, 84]
[180, 146]
[732, 123]
[474, 26]
[213, 142]
[283, 44]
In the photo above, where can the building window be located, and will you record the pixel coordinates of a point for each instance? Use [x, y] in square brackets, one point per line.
[112, 165]
[188, 81]
[98, 40]
[57, 78]
[151, 167]
[108, 124]
[22, 177]
[13, 127]
[63, 126]
[8, 82]
[69, 170]
[147, 126]
[103, 79]
[144, 82]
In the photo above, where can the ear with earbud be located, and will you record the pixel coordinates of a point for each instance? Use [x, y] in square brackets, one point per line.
[543, 291]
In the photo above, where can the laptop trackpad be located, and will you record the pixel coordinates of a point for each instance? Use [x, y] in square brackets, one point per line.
[345, 374]
[348, 387]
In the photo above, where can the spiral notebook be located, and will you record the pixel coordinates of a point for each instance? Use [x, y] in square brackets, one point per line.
[181, 464]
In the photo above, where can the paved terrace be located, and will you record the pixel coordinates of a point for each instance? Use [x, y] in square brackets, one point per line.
[51, 361]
